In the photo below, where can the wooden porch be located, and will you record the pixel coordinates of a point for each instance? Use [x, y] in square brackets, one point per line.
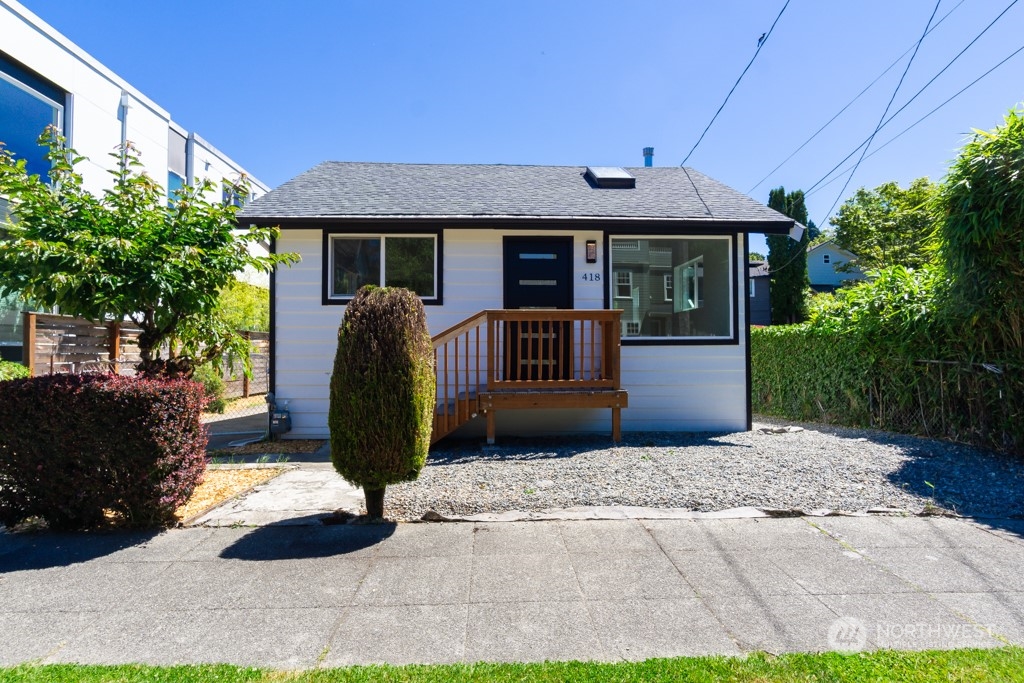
[528, 359]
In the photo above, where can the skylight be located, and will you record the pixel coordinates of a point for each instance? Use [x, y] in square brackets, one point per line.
[609, 177]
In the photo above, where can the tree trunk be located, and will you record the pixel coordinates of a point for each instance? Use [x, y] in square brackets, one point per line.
[374, 502]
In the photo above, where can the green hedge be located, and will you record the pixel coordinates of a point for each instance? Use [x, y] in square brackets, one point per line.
[801, 373]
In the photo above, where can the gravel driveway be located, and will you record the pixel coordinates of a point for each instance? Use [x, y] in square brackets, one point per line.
[818, 467]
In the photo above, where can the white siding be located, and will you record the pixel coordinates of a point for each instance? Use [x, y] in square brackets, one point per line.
[672, 388]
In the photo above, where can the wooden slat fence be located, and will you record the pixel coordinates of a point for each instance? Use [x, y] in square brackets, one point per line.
[63, 344]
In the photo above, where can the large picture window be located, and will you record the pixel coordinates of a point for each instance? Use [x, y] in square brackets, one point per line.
[28, 104]
[408, 261]
[679, 287]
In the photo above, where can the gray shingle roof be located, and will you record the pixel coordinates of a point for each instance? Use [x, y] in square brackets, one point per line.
[383, 190]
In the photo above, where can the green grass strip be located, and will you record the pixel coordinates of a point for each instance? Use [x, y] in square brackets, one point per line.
[1004, 664]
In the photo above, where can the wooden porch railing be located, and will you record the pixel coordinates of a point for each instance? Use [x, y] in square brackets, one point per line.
[569, 354]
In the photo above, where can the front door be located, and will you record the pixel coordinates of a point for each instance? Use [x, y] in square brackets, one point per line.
[538, 275]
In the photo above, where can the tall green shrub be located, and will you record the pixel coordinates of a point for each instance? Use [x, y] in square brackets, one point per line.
[382, 392]
[981, 233]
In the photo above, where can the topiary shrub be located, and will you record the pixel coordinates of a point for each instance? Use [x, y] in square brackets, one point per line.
[382, 392]
[9, 370]
[74, 448]
[213, 387]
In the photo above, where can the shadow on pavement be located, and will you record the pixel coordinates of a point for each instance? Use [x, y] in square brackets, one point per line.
[43, 550]
[291, 541]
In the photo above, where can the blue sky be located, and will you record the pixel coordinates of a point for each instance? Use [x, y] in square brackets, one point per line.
[281, 86]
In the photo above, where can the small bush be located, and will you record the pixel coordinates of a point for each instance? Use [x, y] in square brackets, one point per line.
[9, 370]
[382, 390]
[213, 387]
[75, 447]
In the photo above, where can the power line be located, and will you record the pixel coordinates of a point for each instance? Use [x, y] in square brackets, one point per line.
[915, 123]
[760, 43]
[914, 97]
[881, 121]
[850, 103]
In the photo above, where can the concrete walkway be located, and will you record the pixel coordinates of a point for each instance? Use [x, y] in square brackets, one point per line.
[305, 595]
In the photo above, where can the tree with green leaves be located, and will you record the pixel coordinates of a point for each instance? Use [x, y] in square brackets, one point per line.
[981, 238]
[245, 306]
[787, 260]
[129, 254]
[756, 256]
[889, 225]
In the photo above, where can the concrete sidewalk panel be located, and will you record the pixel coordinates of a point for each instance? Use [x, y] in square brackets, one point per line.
[836, 571]
[603, 536]
[772, 534]
[733, 573]
[429, 540]
[524, 578]
[516, 538]
[278, 638]
[909, 621]
[610, 576]
[318, 582]
[945, 570]
[686, 534]
[399, 634]
[82, 587]
[1001, 613]
[635, 630]
[906, 532]
[776, 623]
[31, 636]
[532, 632]
[415, 581]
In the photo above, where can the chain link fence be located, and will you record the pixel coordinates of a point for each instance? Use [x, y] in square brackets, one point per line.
[976, 403]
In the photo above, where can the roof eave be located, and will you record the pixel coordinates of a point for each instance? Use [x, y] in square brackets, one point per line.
[466, 221]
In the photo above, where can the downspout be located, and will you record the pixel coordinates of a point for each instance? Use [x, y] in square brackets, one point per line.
[190, 159]
[124, 107]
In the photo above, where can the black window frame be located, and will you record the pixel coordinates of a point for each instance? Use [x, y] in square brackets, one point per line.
[734, 301]
[326, 263]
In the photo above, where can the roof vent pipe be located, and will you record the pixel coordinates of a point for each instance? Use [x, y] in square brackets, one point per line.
[648, 156]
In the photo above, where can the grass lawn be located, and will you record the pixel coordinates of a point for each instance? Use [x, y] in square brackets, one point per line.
[1006, 664]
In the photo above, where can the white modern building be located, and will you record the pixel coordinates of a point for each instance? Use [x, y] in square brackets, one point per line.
[46, 79]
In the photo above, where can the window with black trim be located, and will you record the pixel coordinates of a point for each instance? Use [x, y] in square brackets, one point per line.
[674, 287]
[408, 261]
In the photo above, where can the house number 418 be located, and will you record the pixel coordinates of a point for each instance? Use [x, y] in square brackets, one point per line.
[591, 277]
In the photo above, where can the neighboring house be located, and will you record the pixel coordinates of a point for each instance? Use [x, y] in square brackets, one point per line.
[46, 79]
[758, 293]
[577, 258]
[823, 260]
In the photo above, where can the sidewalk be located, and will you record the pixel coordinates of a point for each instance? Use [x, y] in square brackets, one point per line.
[308, 595]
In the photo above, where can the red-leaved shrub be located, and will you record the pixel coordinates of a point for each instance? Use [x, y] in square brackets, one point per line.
[75, 446]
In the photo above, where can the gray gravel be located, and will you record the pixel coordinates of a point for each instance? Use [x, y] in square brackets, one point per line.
[818, 468]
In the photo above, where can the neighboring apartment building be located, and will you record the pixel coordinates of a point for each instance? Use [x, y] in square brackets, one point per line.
[46, 79]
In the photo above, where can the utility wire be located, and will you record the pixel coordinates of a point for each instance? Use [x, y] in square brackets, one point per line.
[915, 96]
[850, 103]
[881, 121]
[915, 123]
[760, 44]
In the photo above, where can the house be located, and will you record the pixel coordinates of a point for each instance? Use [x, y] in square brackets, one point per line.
[45, 79]
[822, 262]
[758, 293]
[553, 292]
